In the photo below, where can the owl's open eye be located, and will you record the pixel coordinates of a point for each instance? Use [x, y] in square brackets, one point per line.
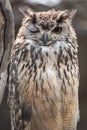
[57, 30]
[34, 30]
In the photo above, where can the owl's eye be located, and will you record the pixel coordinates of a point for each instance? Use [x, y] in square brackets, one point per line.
[57, 30]
[34, 30]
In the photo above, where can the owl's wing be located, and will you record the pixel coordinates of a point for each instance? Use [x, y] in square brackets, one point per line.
[20, 112]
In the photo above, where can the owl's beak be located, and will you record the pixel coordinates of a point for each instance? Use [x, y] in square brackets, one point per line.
[45, 38]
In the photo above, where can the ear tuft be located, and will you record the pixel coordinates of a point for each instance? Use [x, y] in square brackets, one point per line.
[67, 14]
[72, 13]
[26, 11]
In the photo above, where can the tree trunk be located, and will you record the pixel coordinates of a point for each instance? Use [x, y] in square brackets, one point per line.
[6, 41]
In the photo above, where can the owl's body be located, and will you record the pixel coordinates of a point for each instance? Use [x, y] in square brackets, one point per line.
[43, 94]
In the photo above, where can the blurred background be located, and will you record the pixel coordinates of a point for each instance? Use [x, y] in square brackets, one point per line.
[80, 25]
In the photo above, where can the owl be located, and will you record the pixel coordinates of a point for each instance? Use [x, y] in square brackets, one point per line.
[44, 72]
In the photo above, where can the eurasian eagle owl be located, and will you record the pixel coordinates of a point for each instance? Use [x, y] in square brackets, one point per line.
[44, 80]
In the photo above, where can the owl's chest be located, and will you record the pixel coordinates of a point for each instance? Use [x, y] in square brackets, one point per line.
[38, 69]
[38, 65]
[45, 69]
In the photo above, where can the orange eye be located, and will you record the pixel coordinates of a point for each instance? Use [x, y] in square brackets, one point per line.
[57, 30]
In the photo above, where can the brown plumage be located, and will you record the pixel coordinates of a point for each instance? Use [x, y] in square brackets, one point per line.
[43, 91]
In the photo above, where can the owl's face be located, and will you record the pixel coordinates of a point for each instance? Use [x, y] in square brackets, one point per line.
[47, 28]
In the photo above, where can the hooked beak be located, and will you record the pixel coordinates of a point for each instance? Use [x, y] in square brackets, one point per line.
[45, 38]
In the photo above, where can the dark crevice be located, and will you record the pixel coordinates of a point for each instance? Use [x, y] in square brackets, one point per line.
[3, 35]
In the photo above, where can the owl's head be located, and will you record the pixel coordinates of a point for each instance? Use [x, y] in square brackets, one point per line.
[47, 28]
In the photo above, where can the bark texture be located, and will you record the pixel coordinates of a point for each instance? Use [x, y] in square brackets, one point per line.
[6, 41]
